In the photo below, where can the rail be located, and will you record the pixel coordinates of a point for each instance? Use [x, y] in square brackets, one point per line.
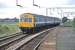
[26, 40]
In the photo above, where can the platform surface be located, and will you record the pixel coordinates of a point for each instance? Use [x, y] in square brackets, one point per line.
[66, 39]
[61, 38]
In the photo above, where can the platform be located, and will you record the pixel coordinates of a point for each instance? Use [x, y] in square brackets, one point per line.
[61, 38]
[50, 41]
[66, 39]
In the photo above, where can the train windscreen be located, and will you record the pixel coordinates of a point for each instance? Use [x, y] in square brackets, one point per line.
[25, 19]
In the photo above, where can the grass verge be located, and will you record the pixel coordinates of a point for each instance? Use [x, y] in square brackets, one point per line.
[7, 29]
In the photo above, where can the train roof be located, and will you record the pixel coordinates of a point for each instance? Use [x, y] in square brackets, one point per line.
[43, 16]
[36, 15]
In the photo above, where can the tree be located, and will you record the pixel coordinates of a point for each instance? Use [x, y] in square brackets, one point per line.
[74, 22]
[64, 19]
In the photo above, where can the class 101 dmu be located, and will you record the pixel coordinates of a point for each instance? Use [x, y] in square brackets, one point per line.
[29, 22]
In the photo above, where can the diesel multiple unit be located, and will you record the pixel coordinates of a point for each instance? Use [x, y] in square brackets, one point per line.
[32, 22]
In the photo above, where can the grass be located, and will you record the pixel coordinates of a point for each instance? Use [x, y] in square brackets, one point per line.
[70, 24]
[7, 29]
[73, 25]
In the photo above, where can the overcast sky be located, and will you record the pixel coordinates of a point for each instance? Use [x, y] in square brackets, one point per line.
[8, 8]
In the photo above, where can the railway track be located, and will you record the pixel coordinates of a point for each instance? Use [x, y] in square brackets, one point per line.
[8, 41]
[10, 36]
[34, 43]
[23, 41]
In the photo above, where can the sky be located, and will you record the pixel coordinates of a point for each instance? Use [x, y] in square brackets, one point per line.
[8, 8]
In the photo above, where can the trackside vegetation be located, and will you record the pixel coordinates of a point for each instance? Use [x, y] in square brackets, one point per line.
[7, 29]
[74, 24]
[70, 23]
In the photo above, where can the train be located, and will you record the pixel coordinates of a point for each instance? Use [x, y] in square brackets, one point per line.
[30, 22]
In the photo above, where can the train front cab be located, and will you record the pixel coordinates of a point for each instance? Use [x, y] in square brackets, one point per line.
[26, 23]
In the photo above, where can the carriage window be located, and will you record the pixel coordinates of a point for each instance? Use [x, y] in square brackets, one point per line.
[30, 19]
[25, 19]
[22, 19]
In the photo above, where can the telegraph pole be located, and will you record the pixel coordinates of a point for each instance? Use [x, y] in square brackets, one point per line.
[33, 2]
[46, 11]
[18, 4]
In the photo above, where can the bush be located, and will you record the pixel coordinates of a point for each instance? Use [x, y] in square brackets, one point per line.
[74, 22]
[5, 28]
[64, 19]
